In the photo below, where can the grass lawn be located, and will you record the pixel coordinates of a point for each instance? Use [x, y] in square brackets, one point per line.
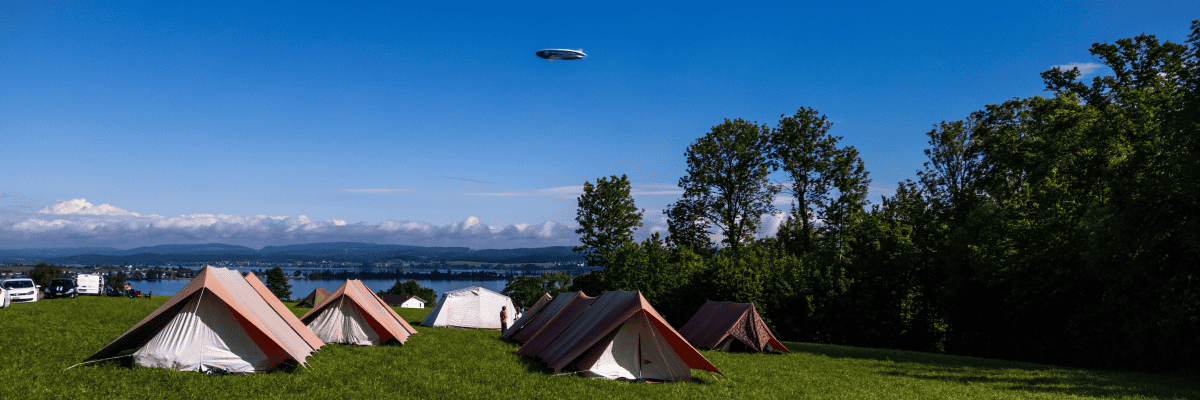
[39, 341]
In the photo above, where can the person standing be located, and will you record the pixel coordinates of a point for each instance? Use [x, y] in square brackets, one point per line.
[503, 318]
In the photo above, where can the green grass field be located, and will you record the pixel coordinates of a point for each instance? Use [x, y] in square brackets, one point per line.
[39, 341]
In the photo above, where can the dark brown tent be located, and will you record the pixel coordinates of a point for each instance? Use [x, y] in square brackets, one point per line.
[313, 298]
[725, 325]
[616, 335]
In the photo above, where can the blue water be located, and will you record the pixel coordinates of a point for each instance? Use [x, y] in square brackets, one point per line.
[302, 287]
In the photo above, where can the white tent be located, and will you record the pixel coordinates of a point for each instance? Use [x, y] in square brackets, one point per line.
[472, 307]
[219, 320]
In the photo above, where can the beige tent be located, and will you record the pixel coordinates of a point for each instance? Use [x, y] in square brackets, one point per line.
[313, 298]
[527, 316]
[353, 314]
[220, 320]
[617, 335]
[725, 325]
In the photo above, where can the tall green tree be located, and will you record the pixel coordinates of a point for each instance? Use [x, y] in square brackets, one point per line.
[727, 182]
[277, 283]
[828, 183]
[607, 217]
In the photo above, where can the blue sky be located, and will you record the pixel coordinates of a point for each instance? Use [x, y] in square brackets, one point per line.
[131, 123]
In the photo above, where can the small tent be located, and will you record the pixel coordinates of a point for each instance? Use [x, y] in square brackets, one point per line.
[725, 325]
[472, 307]
[353, 314]
[313, 298]
[220, 320]
[617, 336]
[527, 316]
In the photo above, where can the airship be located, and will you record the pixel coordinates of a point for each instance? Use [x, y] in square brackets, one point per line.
[561, 54]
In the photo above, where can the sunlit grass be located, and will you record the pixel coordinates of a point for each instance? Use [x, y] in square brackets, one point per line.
[39, 341]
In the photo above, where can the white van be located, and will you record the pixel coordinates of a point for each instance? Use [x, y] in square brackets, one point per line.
[90, 284]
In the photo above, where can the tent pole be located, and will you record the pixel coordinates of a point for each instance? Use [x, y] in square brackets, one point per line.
[196, 326]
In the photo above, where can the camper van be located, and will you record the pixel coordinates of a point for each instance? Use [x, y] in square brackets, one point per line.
[90, 284]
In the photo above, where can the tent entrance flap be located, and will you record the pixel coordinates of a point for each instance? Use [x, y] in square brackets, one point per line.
[636, 350]
[343, 323]
[204, 335]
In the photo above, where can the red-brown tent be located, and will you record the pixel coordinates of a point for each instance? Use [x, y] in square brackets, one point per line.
[219, 320]
[353, 314]
[545, 316]
[725, 325]
[617, 335]
[527, 316]
[547, 334]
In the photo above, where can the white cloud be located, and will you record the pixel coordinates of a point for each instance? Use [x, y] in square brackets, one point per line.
[1084, 68]
[77, 223]
[82, 207]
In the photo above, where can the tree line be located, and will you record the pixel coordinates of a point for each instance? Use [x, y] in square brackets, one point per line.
[1061, 229]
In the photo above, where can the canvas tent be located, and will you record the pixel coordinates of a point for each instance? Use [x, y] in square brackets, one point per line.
[220, 320]
[618, 335]
[548, 313]
[527, 316]
[353, 314]
[472, 307]
[725, 325]
[313, 298]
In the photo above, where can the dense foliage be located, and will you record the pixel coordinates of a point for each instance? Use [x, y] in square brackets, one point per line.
[1059, 229]
[526, 290]
[42, 273]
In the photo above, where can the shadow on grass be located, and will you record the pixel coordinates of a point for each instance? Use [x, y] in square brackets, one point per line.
[1012, 375]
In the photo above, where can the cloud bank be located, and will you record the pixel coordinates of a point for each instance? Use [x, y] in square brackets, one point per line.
[78, 223]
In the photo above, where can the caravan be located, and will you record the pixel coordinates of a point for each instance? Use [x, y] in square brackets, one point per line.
[89, 284]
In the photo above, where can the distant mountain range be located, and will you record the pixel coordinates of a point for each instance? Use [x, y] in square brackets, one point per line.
[335, 251]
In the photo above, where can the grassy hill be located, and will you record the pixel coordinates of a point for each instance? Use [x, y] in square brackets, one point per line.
[39, 341]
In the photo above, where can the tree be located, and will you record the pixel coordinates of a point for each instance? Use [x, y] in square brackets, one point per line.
[277, 283]
[43, 273]
[828, 183]
[607, 217]
[726, 183]
[687, 227]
